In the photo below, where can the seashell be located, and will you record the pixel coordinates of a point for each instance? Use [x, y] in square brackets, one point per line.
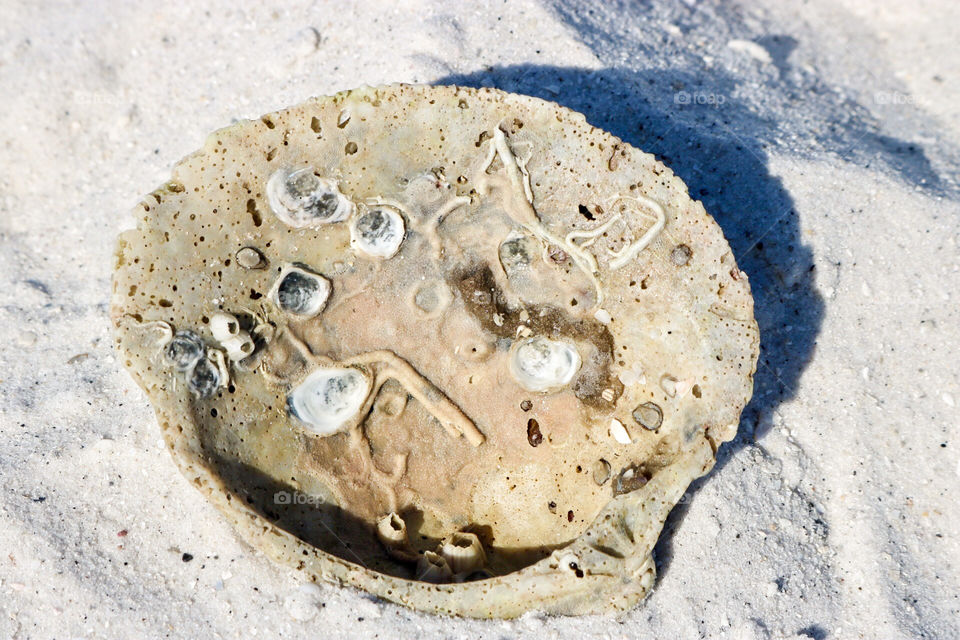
[517, 252]
[204, 377]
[449, 324]
[250, 258]
[619, 432]
[648, 415]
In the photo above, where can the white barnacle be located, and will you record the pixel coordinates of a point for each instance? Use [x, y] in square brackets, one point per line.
[303, 199]
[183, 350]
[433, 567]
[329, 399]
[542, 364]
[226, 330]
[392, 531]
[224, 326]
[463, 552]
[239, 347]
[300, 292]
[377, 232]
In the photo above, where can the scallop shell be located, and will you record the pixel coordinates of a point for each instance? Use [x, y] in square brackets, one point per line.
[518, 228]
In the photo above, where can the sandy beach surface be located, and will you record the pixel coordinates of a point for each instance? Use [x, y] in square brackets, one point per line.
[824, 137]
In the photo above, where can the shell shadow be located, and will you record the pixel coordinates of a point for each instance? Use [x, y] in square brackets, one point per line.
[727, 171]
[340, 533]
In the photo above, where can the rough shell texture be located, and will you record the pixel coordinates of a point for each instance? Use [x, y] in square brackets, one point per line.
[448, 440]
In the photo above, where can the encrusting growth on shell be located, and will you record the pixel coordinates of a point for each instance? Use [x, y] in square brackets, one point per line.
[542, 364]
[300, 292]
[519, 205]
[383, 365]
[302, 199]
[463, 552]
[377, 232]
[329, 399]
[183, 351]
[433, 567]
[236, 342]
[628, 253]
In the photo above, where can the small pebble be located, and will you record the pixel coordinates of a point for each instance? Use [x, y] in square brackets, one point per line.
[303, 604]
[26, 339]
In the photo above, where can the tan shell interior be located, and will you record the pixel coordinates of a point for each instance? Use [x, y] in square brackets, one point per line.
[672, 326]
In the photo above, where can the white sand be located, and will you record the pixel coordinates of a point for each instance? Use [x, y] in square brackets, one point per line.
[825, 138]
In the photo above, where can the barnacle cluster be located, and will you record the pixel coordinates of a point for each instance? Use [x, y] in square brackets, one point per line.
[187, 355]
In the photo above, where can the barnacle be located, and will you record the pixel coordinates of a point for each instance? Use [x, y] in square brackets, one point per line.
[183, 351]
[463, 552]
[226, 330]
[329, 398]
[302, 199]
[377, 232]
[300, 292]
[541, 364]
[433, 567]
[392, 533]
[493, 357]
[204, 377]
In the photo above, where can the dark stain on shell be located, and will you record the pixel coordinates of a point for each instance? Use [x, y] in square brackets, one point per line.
[484, 299]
